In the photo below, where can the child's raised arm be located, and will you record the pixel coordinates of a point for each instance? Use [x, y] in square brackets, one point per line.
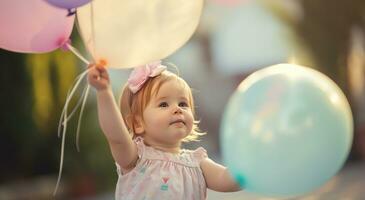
[217, 177]
[123, 149]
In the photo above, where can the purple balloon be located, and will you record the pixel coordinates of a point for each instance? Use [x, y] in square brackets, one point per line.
[68, 4]
[33, 26]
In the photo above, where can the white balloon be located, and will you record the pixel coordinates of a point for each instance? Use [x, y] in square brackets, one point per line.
[129, 33]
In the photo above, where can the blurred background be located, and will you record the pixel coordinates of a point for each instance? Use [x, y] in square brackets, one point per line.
[234, 39]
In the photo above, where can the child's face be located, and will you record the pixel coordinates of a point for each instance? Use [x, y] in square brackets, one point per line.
[168, 117]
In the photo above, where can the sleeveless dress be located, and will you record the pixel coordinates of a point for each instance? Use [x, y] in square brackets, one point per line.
[162, 175]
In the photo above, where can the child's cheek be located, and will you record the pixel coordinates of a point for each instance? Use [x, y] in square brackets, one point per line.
[190, 123]
[158, 123]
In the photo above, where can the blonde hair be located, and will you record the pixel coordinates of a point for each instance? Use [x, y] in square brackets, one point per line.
[132, 105]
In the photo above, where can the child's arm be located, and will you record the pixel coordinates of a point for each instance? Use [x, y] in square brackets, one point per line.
[217, 177]
[123, 149]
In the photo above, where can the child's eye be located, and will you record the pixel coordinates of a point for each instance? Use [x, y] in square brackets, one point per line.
[183, 104]
[163, 104]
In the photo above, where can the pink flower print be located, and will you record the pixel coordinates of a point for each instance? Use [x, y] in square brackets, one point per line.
[164, 186]
[165, 179]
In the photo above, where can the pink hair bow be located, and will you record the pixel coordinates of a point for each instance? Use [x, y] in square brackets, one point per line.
[141, 74]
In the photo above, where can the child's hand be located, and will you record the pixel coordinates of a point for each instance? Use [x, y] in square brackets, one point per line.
[98, 77]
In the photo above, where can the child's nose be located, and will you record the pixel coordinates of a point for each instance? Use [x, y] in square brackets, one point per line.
[177, 110]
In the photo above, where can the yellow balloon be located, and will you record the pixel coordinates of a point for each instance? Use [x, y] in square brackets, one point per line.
[129, 33]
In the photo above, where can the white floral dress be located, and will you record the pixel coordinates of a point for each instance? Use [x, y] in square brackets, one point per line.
[161, 175]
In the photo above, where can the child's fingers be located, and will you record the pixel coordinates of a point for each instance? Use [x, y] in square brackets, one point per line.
[104, 74]
[94, 74]
[102, 70]
[97, 72]
[93, 69]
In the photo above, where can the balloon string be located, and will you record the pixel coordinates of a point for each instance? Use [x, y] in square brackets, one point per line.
[92, 50]
[64, 116]
[77, 53]
[92, 26]
[80, 117]
[84, 96]
[78, 103]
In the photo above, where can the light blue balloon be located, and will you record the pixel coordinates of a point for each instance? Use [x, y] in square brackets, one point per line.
[286, 131]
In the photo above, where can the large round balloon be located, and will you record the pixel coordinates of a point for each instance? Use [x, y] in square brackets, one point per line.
[127, 33]
[68, 4]
[228, 2]
[286, 131]
[33, 26]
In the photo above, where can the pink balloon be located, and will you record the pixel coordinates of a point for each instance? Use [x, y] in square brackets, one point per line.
[33, 26]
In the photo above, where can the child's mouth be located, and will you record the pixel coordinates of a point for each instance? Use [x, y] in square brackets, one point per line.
[177, 122]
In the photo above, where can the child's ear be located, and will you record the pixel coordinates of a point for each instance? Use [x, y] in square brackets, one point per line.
[138, 125]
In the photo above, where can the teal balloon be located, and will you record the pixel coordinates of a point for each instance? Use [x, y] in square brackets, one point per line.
[286, 131]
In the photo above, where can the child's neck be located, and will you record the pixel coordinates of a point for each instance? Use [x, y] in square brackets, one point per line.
[170, 148]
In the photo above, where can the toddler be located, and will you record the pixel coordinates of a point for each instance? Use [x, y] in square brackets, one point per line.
[155, 116]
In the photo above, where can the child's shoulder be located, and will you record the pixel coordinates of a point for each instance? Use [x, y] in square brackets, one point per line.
[197, 154]
[200, 151]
